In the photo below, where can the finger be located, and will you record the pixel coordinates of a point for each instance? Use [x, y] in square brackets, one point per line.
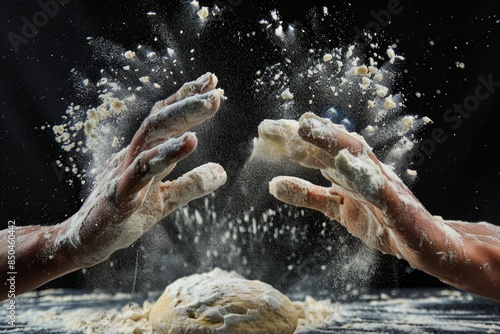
[370, 180]
[301, 193]
[203, 84]
[154, 162]
[360, 174]
[172, 121]
[280, 138]
[196, 183]
[333, 138]
[404, 221]
[329, 136]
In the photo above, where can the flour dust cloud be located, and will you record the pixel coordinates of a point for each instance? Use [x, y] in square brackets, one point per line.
[275, 69]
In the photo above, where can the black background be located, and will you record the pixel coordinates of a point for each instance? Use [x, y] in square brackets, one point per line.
[459, 180]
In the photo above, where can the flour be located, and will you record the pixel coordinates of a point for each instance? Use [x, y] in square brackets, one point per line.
[279, 139]
[228, 293]
[357, 83]
[390, 53]
[381, 90]
[315, 314]
[383, 312]
[266, 306]
[389, 103]
[133, 318]
[327, 57]
[203, 13]
[286, 94]
[362, 171]
[129, 54]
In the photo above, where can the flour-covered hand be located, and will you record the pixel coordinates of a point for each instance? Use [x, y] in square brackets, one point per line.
[132, 195]
[129, 197]
[371, 201]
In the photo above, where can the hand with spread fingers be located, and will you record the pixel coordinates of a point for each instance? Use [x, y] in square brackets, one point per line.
[130, 196]
[370, 200]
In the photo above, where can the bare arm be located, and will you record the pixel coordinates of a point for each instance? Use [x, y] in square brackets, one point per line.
[37, 259]
[128, 198]
[370, 200]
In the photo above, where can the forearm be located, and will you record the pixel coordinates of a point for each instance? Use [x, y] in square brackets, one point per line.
[479, 266]
[462, 254]
[39, 257]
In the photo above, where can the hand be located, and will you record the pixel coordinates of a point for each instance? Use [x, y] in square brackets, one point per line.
[374, 205]
[130, 196]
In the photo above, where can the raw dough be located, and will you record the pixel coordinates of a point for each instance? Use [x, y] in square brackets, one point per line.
[223, 302]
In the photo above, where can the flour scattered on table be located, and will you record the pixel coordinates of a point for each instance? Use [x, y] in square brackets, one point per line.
[90, 316]
[396, 311]
[214, 302]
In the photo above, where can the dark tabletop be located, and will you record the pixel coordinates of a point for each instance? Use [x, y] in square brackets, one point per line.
[383, 311]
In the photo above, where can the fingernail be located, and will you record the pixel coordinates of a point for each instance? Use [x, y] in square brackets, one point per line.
[198, 107]
[170, 147]
[217, 168]
[185, 136]
[206, 80]
[199, 86]
[213, 94]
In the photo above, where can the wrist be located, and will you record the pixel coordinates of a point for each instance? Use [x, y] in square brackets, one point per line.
[81, 246]
[68, 247]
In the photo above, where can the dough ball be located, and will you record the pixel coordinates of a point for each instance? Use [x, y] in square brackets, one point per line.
[222, 302]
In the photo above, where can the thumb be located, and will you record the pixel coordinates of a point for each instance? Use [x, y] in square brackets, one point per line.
[196, 183]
